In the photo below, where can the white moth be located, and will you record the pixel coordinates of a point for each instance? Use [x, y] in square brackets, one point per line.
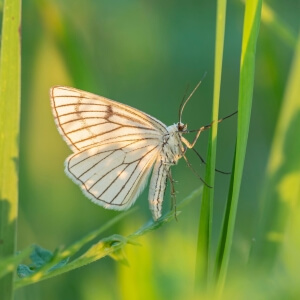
[115, 147]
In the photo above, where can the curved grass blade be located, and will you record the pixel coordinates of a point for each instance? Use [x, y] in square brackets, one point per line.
[56, 263]
[10, 89]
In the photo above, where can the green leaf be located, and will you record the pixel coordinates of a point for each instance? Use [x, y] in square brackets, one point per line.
[10, 263]
[40, 256]
[24, 271]
[113, 246]
[119, 255]
[61, 264]
[247, 71]
[203, 263]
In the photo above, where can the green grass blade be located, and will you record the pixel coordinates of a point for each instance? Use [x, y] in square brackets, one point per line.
[247, 70]
[112, 246]
[204, 230]
[222, 241]
[43, 273]
[10, 72]
[283, 173]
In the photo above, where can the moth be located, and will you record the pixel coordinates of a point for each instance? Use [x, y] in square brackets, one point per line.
[115, 147]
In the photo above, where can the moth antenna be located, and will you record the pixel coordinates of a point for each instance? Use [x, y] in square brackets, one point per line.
[182, 101]
[222, 119]
[189, 97]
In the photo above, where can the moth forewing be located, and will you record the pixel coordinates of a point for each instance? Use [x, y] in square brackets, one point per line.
[84, 119]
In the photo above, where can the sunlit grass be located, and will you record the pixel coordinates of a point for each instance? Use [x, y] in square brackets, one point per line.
[204, 252]
[10, 90]
[247, 70]
[246, 85]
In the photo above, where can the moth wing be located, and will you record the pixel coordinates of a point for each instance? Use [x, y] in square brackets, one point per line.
[84, 119]
[113, 175]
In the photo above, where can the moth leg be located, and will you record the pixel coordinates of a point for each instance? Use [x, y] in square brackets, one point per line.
[173, 194]
[194, 171]
[192, 144]
[203, 128]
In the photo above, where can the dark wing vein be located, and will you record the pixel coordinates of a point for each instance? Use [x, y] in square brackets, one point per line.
[115, 172]
[81, 132]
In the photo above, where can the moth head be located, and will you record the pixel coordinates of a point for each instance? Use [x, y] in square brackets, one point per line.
[181, 127]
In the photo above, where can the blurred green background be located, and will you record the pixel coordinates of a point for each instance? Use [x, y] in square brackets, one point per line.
[144, 54]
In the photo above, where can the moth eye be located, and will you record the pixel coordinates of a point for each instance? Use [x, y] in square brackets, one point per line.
[181, 127]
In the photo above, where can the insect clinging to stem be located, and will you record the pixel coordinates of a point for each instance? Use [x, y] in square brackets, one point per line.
[115, 147]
